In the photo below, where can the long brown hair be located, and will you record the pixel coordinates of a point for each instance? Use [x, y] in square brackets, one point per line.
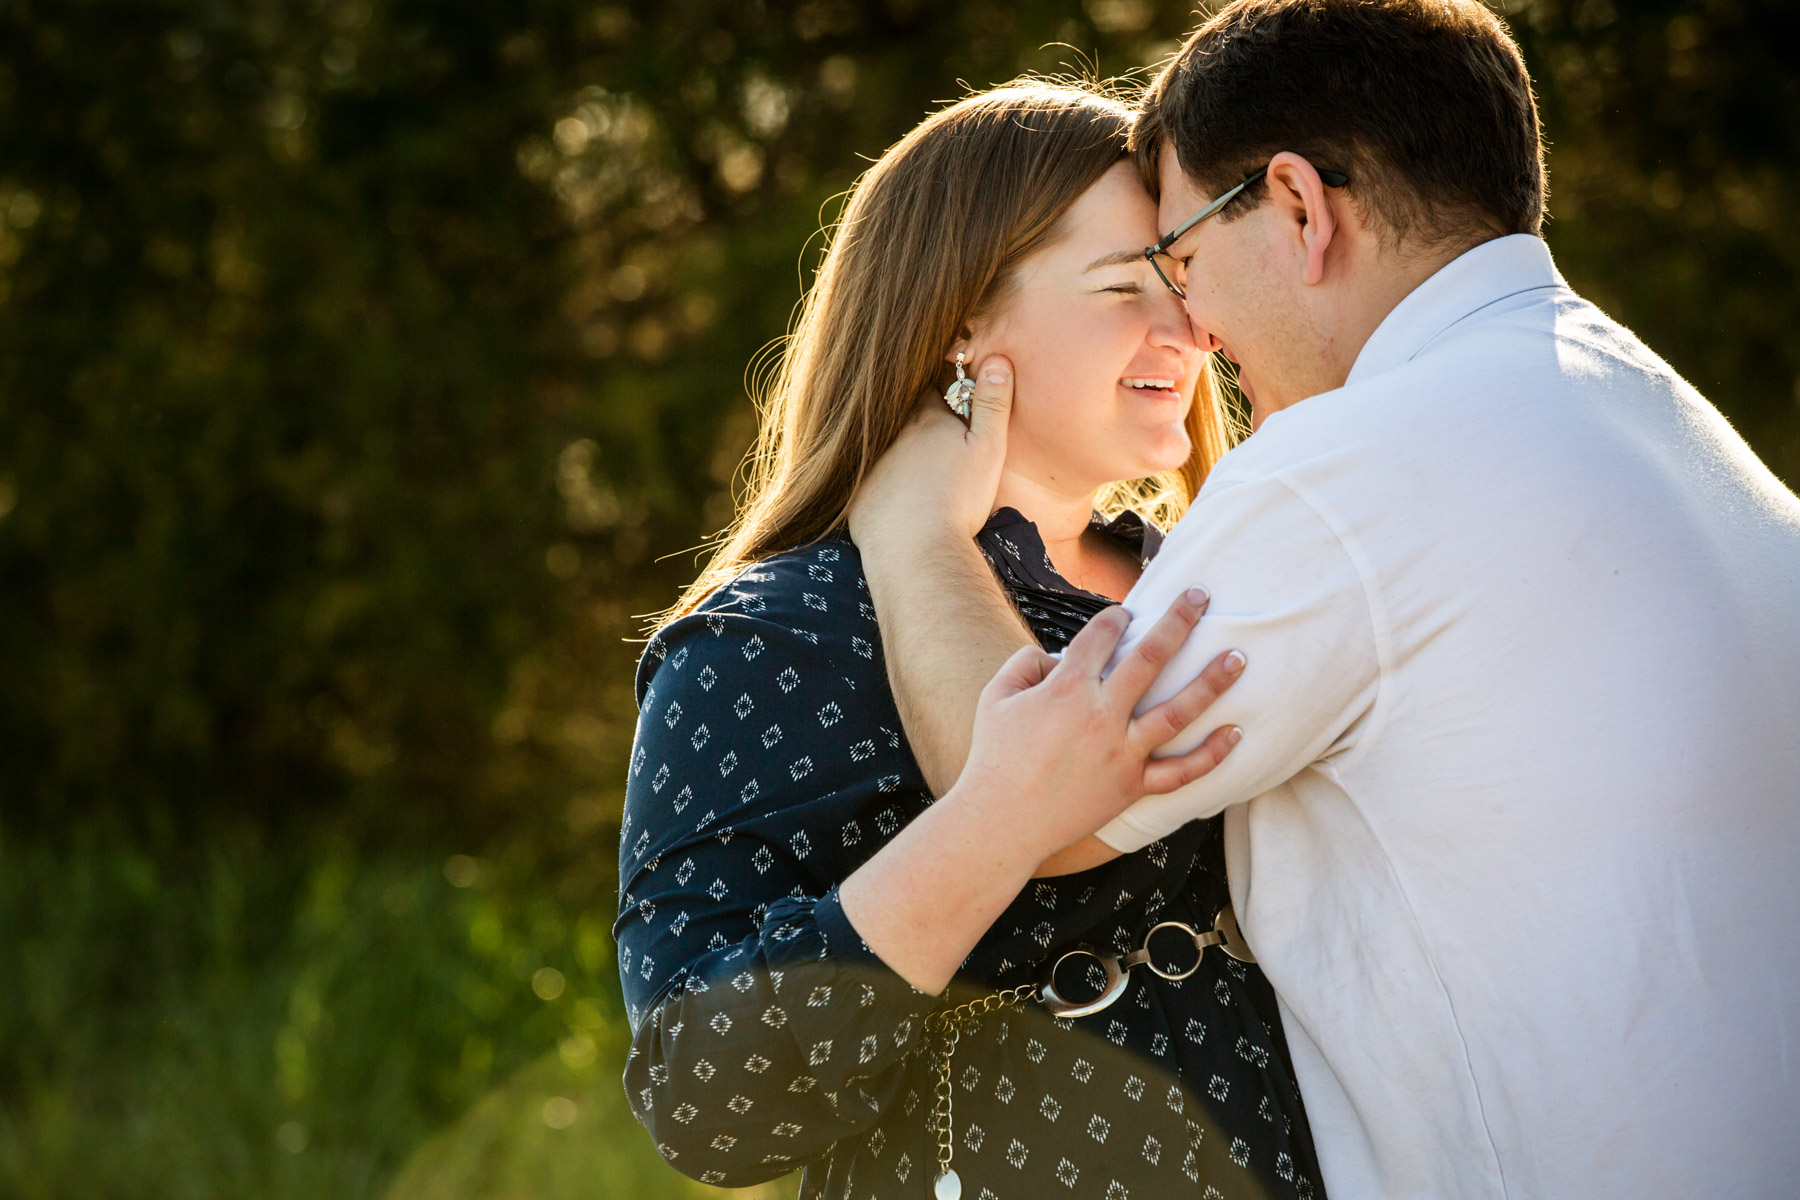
[930, 239]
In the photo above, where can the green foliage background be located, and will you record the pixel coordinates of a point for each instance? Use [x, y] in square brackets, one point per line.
[359, 362]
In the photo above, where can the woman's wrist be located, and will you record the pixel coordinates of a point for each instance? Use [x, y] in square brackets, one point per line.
[924, 900]
[991, 809]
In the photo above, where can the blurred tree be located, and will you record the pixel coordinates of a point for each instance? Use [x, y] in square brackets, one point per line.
[356, 356]
[1674, 134]
[277, 368]
[359, 358]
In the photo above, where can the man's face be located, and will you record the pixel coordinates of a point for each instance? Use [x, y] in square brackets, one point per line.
[1244, 292]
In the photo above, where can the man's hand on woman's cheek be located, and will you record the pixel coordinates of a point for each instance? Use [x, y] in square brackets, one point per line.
[939, 478]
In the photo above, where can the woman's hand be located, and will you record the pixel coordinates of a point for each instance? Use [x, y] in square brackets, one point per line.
[940, 477]
[1059, 746]
[1057, 755]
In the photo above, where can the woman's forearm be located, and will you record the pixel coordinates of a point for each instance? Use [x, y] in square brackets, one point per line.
[924, 900]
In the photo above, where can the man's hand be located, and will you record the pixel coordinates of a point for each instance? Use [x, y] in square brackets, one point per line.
[938, 480]
[1057, 744]
[946, 626]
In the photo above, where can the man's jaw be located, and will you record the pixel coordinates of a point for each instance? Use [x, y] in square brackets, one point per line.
[1245, 385]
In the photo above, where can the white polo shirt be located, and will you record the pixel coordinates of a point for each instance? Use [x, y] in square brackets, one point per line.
[1521, 755]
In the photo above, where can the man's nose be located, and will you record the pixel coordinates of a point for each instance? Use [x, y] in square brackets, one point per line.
[1203, 336]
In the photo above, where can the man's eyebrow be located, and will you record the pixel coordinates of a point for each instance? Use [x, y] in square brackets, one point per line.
[1117, 258]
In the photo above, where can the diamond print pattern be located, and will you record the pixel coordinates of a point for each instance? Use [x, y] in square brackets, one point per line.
[766, 1033]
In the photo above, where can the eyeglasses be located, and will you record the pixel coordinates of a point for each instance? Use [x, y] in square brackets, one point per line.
[1334, 179]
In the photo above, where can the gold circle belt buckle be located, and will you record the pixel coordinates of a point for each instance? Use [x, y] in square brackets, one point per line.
[1116, 968]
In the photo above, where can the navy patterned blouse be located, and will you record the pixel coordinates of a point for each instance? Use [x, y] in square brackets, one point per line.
[770, 763]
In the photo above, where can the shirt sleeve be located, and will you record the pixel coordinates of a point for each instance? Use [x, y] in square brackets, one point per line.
[764, 1030]
[1289, 591]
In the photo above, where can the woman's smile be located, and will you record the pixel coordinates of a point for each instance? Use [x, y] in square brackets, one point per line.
[1155, 388]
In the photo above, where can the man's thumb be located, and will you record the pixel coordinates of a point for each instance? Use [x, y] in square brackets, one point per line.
[992, 403]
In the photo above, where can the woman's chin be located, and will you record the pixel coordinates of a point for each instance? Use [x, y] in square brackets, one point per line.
[1147, 467]
[1168, 452]
[1163, 450]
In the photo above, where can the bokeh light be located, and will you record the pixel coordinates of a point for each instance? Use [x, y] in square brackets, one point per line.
[368, 370]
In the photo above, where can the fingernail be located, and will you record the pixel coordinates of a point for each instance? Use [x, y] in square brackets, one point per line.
[995, 371]
[1234, 662]
[1197, 596]
[1234, 737]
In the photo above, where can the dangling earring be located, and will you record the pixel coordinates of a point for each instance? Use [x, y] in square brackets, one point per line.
[960, 394]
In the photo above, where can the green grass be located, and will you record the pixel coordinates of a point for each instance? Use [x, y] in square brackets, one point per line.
[240, 1020]
[552, 1131]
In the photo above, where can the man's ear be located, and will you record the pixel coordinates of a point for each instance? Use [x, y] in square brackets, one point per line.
[1295, 183]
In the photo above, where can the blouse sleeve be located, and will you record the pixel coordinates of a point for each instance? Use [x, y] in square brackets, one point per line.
[764, 1030]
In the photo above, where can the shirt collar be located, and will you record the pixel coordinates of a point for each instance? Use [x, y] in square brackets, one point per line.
[1129, 528]
[1489, 273]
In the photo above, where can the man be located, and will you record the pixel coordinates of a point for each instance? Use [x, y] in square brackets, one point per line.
[1511, 821]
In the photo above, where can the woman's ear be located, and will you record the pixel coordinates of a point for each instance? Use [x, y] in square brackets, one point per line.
[961, 346]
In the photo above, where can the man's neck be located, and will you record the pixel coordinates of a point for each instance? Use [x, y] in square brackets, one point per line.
[1389, 277]
[1406, 271]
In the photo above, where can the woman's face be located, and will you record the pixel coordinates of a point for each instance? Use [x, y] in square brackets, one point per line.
[1103, 356]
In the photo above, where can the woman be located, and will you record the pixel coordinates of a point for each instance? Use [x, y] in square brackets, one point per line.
[771, 766]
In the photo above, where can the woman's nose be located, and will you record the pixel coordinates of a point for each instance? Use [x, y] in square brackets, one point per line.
[1194, 332]
[1174, 330]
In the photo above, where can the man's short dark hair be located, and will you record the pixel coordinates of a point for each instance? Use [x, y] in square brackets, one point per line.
[1426, 104]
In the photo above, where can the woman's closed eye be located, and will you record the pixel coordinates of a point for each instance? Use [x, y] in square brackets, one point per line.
[1125, 289]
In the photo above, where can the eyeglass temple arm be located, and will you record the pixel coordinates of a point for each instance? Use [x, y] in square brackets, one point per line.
[1334, 179]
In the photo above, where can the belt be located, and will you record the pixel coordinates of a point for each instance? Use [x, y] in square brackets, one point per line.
[946, 1026]
[1117, 967]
